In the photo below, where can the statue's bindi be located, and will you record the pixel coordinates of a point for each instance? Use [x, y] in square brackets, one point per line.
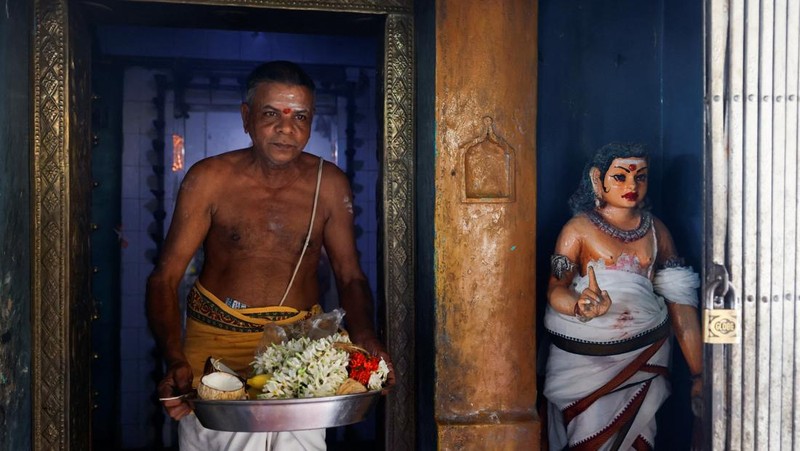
[632, 167]
[287, 110]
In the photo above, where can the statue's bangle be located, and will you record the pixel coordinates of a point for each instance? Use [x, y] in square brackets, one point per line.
[697, 376]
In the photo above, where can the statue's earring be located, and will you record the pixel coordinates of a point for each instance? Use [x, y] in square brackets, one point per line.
[594, 176]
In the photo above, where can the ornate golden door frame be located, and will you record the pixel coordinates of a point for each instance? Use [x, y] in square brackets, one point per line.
[62, 307]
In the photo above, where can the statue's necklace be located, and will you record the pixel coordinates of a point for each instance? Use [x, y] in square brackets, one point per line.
[626, 236]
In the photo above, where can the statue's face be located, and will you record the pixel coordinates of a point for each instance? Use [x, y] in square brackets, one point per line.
[625, 183]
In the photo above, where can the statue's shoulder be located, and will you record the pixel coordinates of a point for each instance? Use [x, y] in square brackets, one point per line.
[662, 232]
[577, 226]
[580, 221]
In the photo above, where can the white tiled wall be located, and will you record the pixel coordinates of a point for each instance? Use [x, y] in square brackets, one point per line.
[209, 131]
[136, 359]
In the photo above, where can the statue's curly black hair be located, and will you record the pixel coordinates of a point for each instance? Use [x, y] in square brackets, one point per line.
[582, 199]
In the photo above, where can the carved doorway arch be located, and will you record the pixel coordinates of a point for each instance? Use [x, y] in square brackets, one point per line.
[61, 151]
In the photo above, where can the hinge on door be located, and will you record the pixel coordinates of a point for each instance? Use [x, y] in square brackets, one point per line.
[720, 324]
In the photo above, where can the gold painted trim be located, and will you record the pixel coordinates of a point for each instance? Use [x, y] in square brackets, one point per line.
[49, 294]
[398, 221]
[60, 270]
[363, 6]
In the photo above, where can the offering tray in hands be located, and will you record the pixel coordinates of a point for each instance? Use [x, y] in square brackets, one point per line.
[276, 415]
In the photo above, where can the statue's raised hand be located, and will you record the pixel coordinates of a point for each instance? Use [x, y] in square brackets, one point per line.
[593, 301]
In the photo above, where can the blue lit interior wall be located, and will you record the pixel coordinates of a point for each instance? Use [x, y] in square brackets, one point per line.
[15, 263]
[625, 70]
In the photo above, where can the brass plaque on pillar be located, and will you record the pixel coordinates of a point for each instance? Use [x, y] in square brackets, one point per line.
[488, 168]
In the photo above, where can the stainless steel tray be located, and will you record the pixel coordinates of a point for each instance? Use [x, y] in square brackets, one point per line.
[274, 415]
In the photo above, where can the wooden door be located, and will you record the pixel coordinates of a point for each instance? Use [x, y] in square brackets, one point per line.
[752, 253]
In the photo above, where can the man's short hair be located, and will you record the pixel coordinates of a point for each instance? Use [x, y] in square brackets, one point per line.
[285, 72]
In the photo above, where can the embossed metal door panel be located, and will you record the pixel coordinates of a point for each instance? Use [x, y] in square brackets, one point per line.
[61, 304]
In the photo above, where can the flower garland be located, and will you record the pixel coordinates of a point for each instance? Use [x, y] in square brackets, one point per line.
[306, 368]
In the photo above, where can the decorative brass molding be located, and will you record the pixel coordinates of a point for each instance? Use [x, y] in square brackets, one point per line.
[398, 222]
[59, 207]
[49, 220]
[365, 6]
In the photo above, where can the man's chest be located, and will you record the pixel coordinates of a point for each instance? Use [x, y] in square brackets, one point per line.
[258, 221]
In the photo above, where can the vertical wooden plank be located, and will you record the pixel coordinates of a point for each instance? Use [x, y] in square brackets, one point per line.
[766, 430]
[716, 227]
[715, 95]
[791, 438]
[783, 327]
[735, 142]
[749, 294]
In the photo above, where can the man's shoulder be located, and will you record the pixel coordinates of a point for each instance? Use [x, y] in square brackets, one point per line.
[331, 174]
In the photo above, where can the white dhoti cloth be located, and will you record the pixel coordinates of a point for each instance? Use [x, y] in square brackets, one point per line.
[192, 436]
[605, 390]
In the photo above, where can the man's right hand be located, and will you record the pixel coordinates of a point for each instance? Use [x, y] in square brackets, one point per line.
[177, 381]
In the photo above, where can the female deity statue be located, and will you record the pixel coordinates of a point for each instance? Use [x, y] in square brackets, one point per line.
[617, 292]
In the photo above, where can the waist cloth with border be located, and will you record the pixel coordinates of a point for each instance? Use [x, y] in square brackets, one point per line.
[232, 335]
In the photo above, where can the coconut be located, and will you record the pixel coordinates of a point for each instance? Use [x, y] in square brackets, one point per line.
[220, 385]
[213, 365]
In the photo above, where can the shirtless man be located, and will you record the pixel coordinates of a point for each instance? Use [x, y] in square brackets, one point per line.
[615, 265]
[251, 209]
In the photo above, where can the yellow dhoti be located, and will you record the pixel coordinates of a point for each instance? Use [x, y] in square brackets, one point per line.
[213, 329]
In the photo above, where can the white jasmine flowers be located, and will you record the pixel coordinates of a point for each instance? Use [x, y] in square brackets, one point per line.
[377, 378]
[303, 368]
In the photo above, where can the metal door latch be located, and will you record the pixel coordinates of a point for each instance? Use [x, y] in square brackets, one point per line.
[720, 324]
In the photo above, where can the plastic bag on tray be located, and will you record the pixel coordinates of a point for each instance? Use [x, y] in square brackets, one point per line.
[316, 327]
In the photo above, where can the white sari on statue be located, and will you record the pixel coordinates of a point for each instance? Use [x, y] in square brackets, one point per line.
[605, 389]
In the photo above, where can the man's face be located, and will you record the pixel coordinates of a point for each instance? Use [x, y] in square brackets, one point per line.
[278, 120]
[625, 182]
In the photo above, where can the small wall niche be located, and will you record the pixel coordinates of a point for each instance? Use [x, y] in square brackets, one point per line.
[489, 168]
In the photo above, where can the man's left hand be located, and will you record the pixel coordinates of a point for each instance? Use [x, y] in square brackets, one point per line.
[376, 348]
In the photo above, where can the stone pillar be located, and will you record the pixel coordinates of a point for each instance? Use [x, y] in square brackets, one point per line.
[485, 223]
